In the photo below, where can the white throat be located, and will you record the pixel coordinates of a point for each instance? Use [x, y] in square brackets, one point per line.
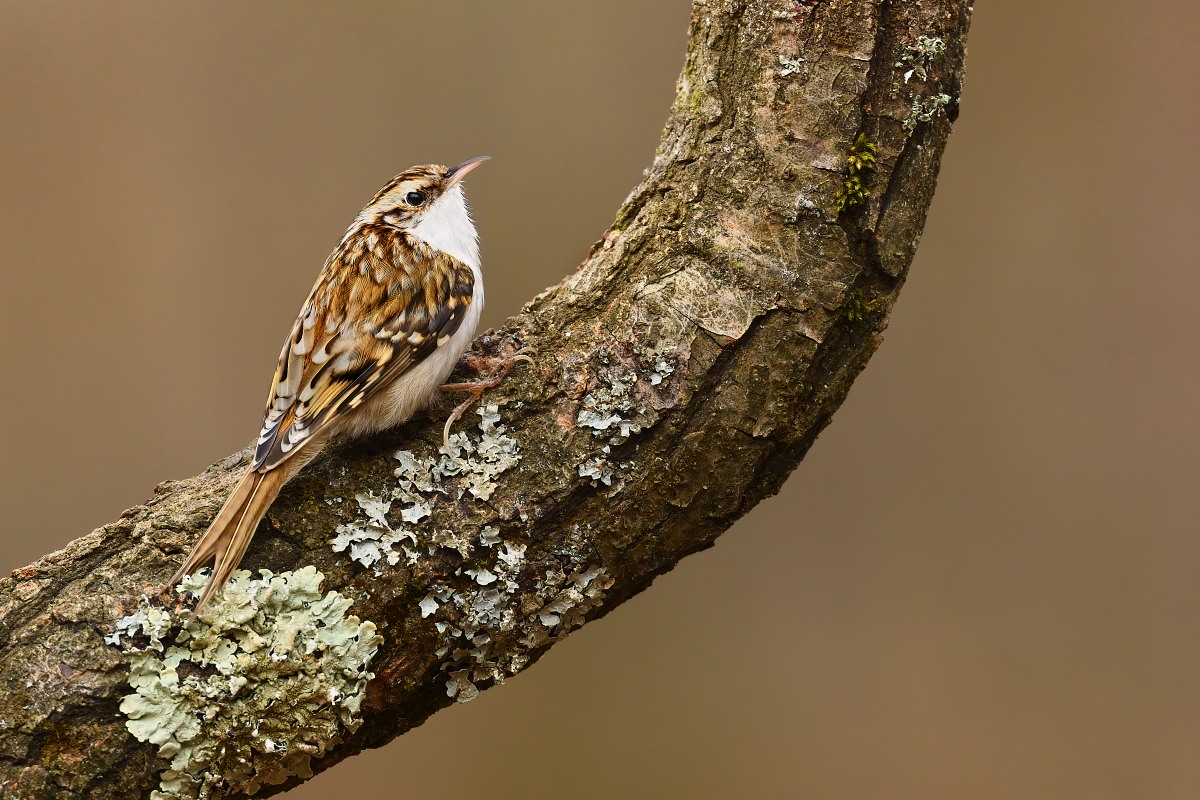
[447, 226]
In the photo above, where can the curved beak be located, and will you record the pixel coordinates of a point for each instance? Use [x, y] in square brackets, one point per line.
[459, 171]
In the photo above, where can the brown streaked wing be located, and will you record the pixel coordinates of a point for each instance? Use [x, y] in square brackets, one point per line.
[391, 303]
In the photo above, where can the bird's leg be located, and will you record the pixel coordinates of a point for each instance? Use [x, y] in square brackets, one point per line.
[475, 389]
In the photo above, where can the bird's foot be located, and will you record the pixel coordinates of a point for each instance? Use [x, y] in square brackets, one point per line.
[498, 366]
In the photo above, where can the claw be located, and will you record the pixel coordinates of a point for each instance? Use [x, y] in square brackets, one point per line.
[475, 389]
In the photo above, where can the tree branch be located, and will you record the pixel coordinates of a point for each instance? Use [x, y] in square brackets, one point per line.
[681, 373]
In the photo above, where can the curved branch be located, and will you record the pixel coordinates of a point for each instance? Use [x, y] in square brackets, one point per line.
[682, 372]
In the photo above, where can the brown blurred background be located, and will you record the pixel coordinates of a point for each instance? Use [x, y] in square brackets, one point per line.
[980, 584]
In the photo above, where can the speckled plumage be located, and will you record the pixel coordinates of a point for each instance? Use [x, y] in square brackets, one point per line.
[390, 314]
[384, 303]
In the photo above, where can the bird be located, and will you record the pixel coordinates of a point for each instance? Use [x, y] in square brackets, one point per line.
[389, 316]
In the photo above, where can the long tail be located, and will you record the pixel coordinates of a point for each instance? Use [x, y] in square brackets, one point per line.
[229, 535]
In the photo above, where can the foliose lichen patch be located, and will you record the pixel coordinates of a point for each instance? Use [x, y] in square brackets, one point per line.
[492, 607]
[926, 109]
[467, 468]
[613, 409]
[790, 65]
[246, 692]
[917, 62]
[602, 470]
[488, 632]
[918, 58]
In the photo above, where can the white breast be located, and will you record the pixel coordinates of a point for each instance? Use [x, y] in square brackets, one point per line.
[447, 226]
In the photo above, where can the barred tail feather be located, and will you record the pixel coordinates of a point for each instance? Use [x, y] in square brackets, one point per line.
[229, 535]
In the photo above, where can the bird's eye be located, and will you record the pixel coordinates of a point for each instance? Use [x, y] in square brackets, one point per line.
[415, 198]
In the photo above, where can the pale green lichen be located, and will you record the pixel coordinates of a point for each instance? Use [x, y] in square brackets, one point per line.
[602, 470]
[609, 406]
[918, 58]
[789, 66]
[246, 692]
[597, 469]
[613, 407]
[926, 109]
[663, 367]
[487, 633]
[917, 61]
[488, 630]
[468, 467]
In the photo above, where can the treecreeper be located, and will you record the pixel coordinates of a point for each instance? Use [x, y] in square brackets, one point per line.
[391, 313]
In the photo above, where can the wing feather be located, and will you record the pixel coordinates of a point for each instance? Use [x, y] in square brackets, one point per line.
[381, 306]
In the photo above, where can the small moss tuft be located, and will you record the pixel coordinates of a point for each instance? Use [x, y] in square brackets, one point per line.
[858, 306]
[860, 161]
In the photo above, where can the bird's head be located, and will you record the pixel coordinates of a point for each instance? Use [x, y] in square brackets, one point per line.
[427, 202]
[418, 193]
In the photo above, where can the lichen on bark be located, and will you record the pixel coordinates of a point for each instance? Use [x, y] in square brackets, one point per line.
[681, 373]
[245, 693]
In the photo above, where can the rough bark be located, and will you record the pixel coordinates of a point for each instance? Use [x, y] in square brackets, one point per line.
[682, 372]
